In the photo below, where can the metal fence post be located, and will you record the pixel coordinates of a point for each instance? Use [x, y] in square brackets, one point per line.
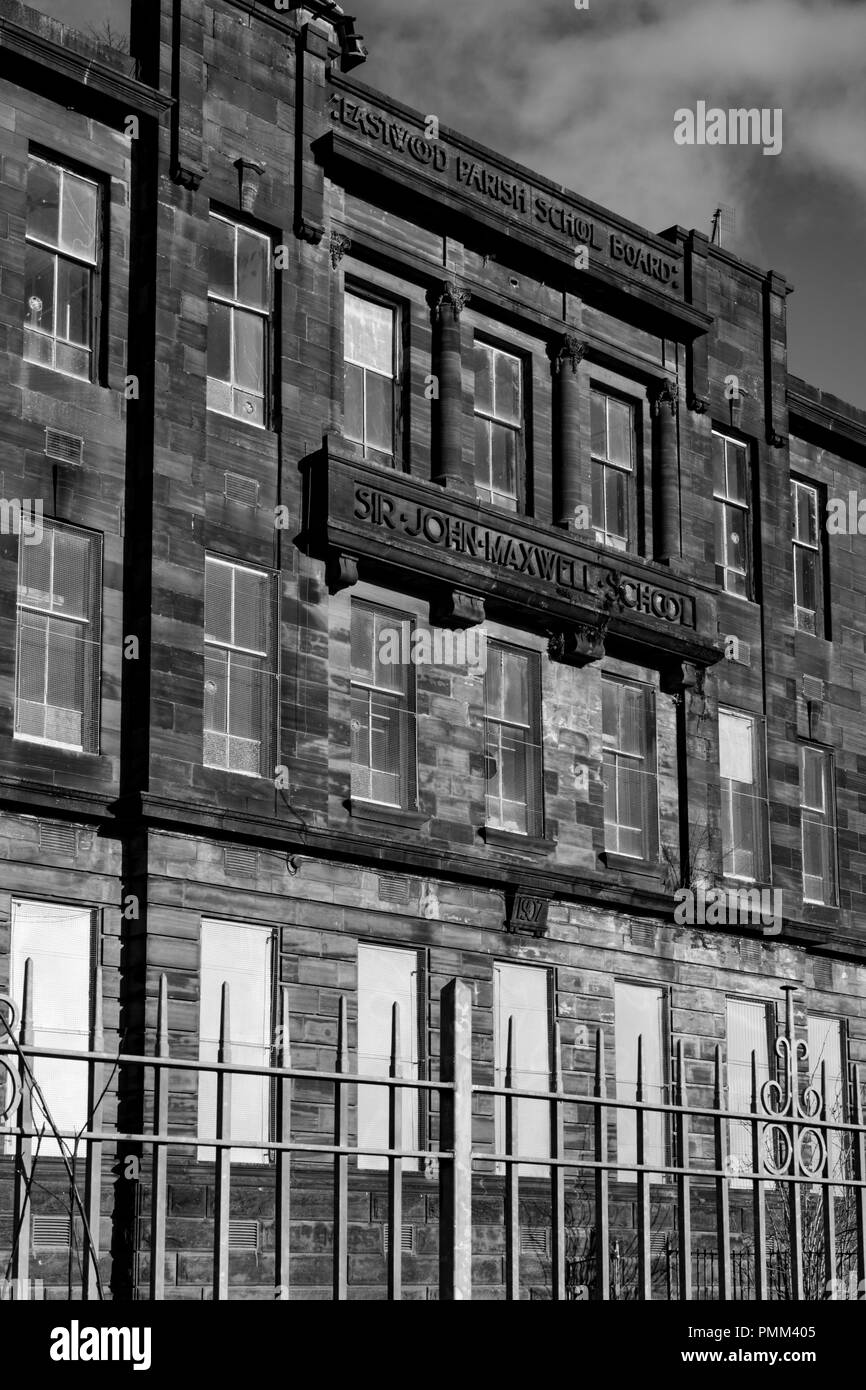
[455, 1139]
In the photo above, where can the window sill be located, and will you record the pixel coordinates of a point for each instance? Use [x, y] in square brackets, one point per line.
[386, 815]
[521, 844]
[644, 872]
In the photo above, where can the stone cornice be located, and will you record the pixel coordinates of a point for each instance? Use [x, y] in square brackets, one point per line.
[135, 97]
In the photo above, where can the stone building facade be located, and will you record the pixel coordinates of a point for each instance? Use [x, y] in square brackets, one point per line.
[302, 377]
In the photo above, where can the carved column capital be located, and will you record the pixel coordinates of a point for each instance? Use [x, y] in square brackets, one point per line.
[451, 296]
[568, 349]
[339, 245]
[666, 395]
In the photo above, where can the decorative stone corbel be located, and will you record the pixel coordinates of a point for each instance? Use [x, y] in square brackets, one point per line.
[189, 174]
[249, 173]
[457, 609]
[568, 349]
[339, 245]
[453, 297]
[341, 572]
[579, 645]
[309, 231]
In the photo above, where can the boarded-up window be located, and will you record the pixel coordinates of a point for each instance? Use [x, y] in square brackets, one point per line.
[521, 994]
[639, 1015]
[747, 1025]
[386, 976]
[241, 957]
[826, 1048]
[58, 941]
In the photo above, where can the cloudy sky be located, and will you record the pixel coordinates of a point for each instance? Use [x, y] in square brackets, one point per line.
[587, 97]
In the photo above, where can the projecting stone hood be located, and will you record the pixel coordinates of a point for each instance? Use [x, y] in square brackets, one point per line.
[472, 560]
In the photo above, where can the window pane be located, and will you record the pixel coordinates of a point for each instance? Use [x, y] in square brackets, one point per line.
[386, 977]
[484, 378]
[806, 514]
[806, 579]
[380, 413]
[218, 341]
[507, 388]
[369, 332]
[735, 747]
[598, 424]
[616, 484]
[249, 373]
[221, 260]
[737, 474]
[216, 690]
[620, 427]
[217, 601]
[353, 413]
[39, 289]
[65, 672]
[239, 956]
[43, 201]
[825, 1049]
[253, 269]
[483, 430]
[362, 641]
[735, 524]
[638, 1015]
[520, 993]
[72, 560]
[73, 302]
[513, 780]
[78, 220]
[598, 501]
[504, 455]
[813, 779]
[719, 480]
[515, 672]
[251, 609]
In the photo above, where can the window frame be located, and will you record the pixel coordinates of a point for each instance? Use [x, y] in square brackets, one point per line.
[93, 684]
[98, 268]
[419, 1118]
[603, 536]
[408, 752]
[236, 220]
[534, 727]
[399, 357]
[651, 831]
[829, 822]
[482, 339]
[745, 509]
[817, 549]
[270, 727]
[763, 854]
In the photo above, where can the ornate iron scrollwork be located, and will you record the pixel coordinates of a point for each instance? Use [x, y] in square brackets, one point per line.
[10, 1090]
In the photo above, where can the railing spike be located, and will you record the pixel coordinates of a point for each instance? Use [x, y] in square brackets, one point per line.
[26, 1029]
[284, 1051]
[395, 1038]
[162, 1018]
[97, 1031]
[225, 1024]
[342, 1036]
[510, 1048]
[682, 1088]
[717, 1078]
[556, 1071]
[600, 1075]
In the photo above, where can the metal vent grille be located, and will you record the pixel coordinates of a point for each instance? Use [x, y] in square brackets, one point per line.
[642, 934]
[822, 974]
[241, 489]
[393, 890]
[51, 1232]
[533, 1240]
[813, 688]
[407, 1239]
[238, 860]
[59, 839]
[740, 651]
[68, 448]
[243, 1235]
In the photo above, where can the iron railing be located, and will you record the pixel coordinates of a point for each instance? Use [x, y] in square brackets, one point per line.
[801, 1229]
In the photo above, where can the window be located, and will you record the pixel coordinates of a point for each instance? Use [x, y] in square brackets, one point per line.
[372, 397]
[818, 825]
[383, 734]
[58, 656]
[512, 702]
[748, 1025]
[241, 957]
[745, 812]
[826, 1045]
[630, 787]
[239, 307]
[498, 425]
[639, 1014]
[808, 600]
[731, 493]
[238, 668]
[522, 993]
[613, 472]
[386, 976]
[59, 942]
[60, 268]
